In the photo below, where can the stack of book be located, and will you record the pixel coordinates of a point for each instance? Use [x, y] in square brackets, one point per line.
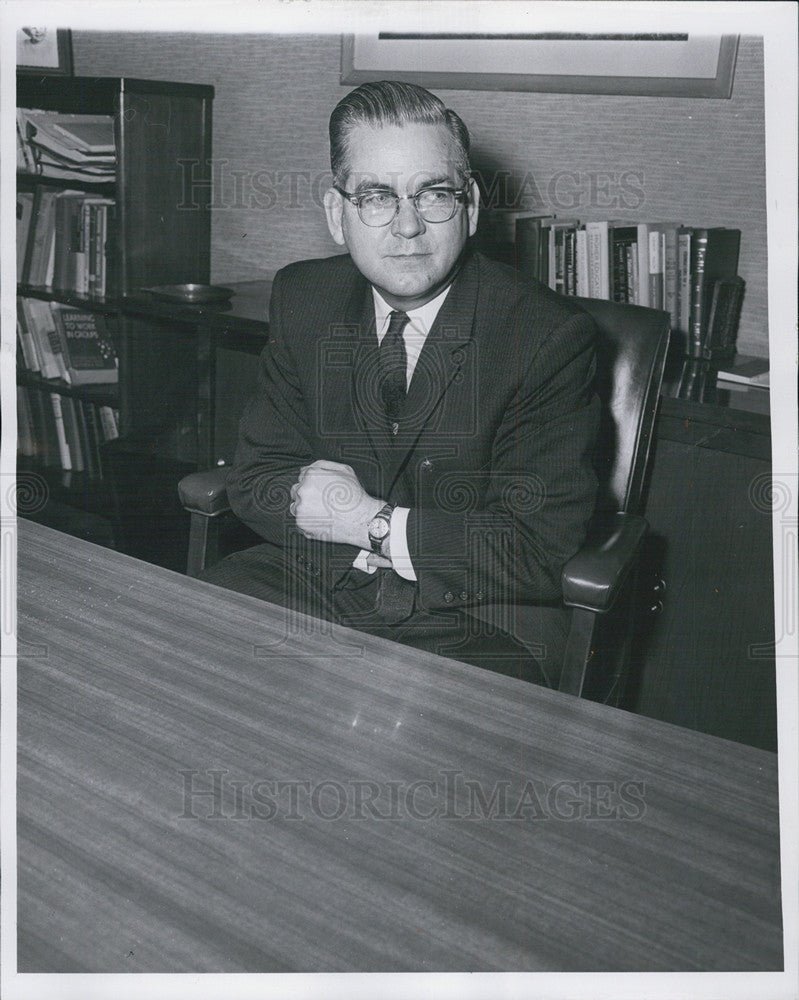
[56, 341]
[63, 432]
[689, 271]
[75, 147]
[55, 427]
[65, 240]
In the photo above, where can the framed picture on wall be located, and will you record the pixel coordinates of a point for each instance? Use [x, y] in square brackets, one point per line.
[44, 50]
[647, 65]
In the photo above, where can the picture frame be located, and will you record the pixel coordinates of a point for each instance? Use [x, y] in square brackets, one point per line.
[44, 51]
[644, 65]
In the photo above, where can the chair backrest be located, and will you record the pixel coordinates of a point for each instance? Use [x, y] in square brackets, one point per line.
[631, 355]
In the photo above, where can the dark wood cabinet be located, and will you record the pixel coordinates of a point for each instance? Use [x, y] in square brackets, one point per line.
[160, 235]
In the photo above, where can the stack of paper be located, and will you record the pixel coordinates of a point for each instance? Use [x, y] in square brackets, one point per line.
[70, 146]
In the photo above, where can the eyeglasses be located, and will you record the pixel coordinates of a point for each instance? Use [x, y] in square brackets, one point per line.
[380, 208]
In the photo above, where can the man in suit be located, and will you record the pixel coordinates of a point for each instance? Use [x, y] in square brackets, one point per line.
[418, 454]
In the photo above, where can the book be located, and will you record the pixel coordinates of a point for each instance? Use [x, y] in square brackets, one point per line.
[45, 438]
[24, 221]
[622, 239]
[684, 235]
[722, 324]
[30, 355]
[670, 258]
[581, 250]
[26, 440]
[87, 346]
[655, 269]
[71, 430]
[714, 256]
[41, 325]
[61, 436]
[598, 259]
[68, 212]
[108, 423]
[42, 236]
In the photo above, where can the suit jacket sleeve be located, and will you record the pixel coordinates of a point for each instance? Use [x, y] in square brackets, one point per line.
[531, 503]
[274, 438]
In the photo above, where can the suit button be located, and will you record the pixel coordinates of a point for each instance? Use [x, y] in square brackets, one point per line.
[301, 559]
[317, 571]
[464, 596]
[449, 597]
[427, 465]
[479, 595]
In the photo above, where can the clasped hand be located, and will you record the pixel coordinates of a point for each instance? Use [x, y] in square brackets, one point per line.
[329, 504]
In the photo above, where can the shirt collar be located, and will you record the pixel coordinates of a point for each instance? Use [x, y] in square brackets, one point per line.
[422, 318]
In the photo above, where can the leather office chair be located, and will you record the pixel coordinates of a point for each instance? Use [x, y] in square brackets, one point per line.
[631, 354]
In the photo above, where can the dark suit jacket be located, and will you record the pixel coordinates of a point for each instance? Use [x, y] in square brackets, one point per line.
[493, 455]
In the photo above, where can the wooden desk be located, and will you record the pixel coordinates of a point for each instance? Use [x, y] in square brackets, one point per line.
[138, 681]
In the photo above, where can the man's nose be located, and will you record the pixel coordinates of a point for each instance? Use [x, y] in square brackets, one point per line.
[407, 221]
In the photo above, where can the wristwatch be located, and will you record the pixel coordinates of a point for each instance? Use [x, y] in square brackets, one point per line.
[379, 528]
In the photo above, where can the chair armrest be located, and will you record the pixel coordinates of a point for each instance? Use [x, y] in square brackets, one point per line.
[205, 492]
[593, 578]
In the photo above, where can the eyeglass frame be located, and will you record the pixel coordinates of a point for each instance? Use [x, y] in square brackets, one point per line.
[461, 195]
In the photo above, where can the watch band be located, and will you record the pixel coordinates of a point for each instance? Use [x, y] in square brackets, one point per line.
[380, 528]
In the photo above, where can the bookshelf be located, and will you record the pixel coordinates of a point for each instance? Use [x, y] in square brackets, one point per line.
[157, 231]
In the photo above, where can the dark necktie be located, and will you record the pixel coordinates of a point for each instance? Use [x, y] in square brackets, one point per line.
[393, 367]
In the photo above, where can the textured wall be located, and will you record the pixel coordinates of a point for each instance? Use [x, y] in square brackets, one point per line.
[699, 162]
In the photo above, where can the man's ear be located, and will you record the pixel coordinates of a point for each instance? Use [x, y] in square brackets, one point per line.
[473, 206]
[334, 209]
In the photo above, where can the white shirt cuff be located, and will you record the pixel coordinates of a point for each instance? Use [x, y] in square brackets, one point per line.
[360, 562]
[400, 557]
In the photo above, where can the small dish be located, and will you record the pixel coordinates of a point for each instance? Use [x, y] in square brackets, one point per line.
[192, 292]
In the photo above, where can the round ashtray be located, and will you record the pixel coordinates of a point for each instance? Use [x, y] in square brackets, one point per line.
[192, 292]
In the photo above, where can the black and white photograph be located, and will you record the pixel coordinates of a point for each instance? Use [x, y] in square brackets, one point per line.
[399, 500]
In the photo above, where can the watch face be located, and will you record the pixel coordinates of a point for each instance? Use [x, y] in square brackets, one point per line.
[378, 527]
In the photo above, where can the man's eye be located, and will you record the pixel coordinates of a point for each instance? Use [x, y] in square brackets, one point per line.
[377, 199]
[434, 196]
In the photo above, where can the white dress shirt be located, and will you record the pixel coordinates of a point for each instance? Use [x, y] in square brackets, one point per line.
[414, 335]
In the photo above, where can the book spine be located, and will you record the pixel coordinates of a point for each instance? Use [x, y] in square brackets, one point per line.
[698, 255]
[95, 436]
[63, 447]
[108, 423]
[632, 258]
[684, 280]
[670, 271]
[26, 444]
[655, 271]
[581, 251]
[643, 264]
[71, 430]
[37, 315]
[599, 260]
[89, 462]
[30, 355]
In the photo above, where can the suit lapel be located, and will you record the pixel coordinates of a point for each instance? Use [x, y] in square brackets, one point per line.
[447, 353]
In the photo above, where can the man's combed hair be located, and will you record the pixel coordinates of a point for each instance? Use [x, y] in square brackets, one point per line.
[392, 103]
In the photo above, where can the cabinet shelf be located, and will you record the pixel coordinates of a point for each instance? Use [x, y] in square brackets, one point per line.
[28, 181]
[98, 393]
[108, 304]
